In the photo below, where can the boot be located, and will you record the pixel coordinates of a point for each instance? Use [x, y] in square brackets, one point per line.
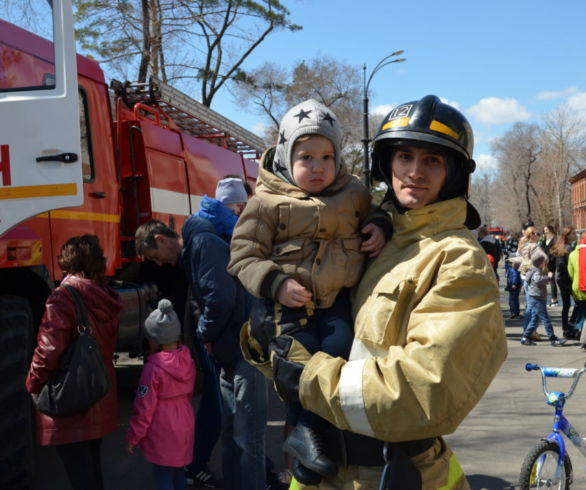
[307, 445]
[304, 475]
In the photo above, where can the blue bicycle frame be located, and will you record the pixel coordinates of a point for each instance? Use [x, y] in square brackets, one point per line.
[557, 399]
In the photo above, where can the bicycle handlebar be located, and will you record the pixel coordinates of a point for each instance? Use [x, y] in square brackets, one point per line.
[552, 372]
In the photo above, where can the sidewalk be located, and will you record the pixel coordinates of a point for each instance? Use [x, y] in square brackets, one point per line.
[512, 416]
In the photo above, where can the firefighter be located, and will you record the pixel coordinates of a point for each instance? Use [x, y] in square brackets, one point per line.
[428, 333]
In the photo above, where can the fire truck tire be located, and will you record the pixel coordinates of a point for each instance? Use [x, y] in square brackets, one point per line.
[17, 426]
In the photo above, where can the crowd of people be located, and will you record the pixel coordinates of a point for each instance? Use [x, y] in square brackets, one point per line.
[544, 268]
[379, 326]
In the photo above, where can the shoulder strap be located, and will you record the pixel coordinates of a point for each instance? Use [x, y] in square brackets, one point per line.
[80, 311]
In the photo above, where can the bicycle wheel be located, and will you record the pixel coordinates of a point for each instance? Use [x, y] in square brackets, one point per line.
[539, 468]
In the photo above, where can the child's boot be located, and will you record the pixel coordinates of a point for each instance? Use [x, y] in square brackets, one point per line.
[308, 446]
[304, 475]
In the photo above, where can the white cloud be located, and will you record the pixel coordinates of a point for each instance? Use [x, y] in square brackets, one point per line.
[486, 163]
[493, 111]
[381, 110]
[578, 102]
[551, 95]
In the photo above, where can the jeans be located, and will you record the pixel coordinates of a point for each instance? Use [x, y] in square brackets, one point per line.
[514, 301]
[329, 330]
[208, 421]
[83, 464]
[537, 310]
[244, 420]
[169, 478]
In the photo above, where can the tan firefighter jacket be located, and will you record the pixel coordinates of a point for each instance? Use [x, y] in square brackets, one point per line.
[429, 334]
[315, 239]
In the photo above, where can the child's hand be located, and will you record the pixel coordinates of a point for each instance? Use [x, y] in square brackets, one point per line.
[292, 294]
[130, 448]
[376, 242]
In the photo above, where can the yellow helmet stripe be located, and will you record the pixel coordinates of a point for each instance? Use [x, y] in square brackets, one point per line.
[396, 123]
[442, 128]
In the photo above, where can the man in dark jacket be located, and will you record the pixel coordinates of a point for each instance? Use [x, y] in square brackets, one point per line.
[224, 305]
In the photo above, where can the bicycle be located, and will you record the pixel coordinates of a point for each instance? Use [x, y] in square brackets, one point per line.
[548, 464]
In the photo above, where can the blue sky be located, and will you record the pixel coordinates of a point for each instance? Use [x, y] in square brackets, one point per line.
[498, 61]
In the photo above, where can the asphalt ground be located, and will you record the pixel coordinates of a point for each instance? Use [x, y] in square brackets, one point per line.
[490, 444]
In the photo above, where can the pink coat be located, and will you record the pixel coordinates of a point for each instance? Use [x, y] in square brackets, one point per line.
[163, 422]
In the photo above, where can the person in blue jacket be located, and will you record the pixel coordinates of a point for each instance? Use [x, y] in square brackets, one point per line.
[514, 285]
[203, 252]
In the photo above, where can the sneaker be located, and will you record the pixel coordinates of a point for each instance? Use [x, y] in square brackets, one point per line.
[307, 445]
[527, 341]
[553, 303]
[583, 347]
[535, 336]
[204, 478]
[557, 342]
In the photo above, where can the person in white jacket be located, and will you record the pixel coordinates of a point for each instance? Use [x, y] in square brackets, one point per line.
[428, 331]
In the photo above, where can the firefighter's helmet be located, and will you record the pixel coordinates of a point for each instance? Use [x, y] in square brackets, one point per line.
[427, 122]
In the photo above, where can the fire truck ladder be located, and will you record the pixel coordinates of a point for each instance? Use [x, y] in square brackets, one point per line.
[190, 116]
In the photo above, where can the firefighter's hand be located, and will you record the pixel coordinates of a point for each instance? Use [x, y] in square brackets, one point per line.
[288, 358]
[292, 294]
[375, 242]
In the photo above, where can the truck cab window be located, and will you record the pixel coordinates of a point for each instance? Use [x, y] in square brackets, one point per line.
[87, 159]
[36, 17]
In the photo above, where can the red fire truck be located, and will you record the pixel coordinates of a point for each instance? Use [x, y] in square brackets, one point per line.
[79, 157]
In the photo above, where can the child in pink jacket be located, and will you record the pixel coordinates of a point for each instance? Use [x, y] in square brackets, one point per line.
[162, 424]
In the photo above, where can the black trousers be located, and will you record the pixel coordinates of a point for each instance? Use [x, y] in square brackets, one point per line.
[83, 464]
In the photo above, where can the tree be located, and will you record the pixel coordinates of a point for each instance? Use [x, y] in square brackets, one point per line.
[201, 41]
[271, 90]
[518, 151]
[563, 141]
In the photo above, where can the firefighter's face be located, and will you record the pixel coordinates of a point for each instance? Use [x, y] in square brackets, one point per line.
[418, 175]
[168, 251]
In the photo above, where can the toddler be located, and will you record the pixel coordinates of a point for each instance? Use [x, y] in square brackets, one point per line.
[514, 284]
[162, 423]
[536, 308]
[297, 247]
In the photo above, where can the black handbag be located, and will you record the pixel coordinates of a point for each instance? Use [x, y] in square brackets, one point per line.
[82, 378]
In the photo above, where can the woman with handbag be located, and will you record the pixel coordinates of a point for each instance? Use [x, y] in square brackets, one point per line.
[77, 438]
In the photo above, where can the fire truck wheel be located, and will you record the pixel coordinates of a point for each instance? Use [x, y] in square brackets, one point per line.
[17, 427]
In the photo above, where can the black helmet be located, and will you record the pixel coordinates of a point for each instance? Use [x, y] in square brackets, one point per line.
[428, 121]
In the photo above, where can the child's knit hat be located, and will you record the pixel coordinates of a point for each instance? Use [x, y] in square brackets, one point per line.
[231, 191]
[309, 117]
[162, 325]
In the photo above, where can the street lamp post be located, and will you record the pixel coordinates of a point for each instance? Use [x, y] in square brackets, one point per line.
[366, 83]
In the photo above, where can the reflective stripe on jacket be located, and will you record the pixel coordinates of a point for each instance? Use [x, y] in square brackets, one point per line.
[429, 334]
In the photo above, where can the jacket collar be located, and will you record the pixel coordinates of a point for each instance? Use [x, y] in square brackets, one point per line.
[416, 224]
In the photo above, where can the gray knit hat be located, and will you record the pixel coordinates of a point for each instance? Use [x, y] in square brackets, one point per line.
[231, 191]
[309, 117]
[162, 325]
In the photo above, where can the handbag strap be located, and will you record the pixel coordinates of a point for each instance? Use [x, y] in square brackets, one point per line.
[81, 316]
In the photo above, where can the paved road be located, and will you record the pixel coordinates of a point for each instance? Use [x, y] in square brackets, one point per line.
[490, 444]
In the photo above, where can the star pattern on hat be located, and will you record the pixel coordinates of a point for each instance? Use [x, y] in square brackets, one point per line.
[328, 117]
[282, 139]
[279, 167]
[302, 115]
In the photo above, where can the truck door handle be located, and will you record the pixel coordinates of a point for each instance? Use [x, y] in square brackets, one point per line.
[98, 194]
[63, 157]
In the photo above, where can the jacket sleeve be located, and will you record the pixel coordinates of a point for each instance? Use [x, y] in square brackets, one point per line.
[252, 247]
[215, 287]
[144, 406]
[426, 384]
[54, 337]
